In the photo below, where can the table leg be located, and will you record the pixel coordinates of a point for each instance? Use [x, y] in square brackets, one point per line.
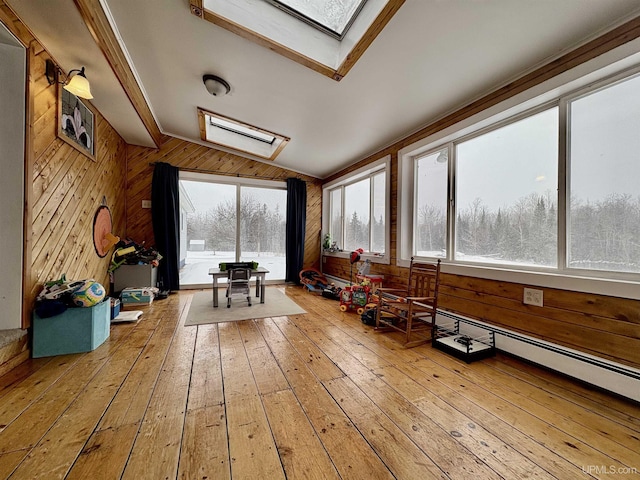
[258, 287]
[262, 292]
[215, 292]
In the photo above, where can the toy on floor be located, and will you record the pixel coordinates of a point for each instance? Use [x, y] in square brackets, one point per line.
[354, 297]
[368, 317]
[332, 292]
[313, 280]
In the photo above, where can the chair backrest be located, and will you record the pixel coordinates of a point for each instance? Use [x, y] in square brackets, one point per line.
[424, 280]
[239, 275]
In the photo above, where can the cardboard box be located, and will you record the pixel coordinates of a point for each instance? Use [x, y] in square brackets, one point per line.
[136, 296]
[75, 330]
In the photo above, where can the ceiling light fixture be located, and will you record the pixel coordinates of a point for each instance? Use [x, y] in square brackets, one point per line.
[76, 84]
[216, 86]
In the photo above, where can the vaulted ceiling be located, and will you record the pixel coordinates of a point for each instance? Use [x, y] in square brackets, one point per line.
[431, 57]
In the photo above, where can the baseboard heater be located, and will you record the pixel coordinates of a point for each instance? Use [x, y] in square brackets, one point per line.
[611, 376]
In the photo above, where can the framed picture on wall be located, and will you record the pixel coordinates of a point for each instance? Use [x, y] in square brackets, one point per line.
[76, 123]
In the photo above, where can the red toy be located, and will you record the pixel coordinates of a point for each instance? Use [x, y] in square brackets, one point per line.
[354, 297]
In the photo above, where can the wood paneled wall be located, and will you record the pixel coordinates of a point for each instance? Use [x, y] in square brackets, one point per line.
[68, 188]
[193, 157]
[608, 327]
[64, 187]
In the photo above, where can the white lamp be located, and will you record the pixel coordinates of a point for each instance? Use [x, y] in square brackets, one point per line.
[76, 84]
[216, 86]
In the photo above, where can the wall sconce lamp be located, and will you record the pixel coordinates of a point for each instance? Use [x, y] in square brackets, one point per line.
[76, 84]
[216, 86]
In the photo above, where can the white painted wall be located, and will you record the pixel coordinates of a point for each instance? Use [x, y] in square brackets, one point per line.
[12, 125]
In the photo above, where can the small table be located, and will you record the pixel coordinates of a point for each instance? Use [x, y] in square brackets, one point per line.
[259, 273]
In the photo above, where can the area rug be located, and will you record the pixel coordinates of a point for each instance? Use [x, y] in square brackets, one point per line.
[275, 304]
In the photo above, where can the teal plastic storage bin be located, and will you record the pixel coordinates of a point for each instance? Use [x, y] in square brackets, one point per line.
[74, 331]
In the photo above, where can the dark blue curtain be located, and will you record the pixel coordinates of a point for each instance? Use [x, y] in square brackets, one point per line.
[165, 215]
[296, 228]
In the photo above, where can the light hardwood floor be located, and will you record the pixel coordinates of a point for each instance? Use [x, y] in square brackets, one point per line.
[312, 396]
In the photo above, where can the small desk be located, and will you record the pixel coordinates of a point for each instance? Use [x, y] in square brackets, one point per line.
[259, 273]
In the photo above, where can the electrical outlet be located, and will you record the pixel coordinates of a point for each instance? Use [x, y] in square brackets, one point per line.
[146, 203]
[533, 297]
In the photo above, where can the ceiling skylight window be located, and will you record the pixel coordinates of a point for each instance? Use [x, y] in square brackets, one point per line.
[230, 133]
[333, 17]
[328, 36]
[240, 129]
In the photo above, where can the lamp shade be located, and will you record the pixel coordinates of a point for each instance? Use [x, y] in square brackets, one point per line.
[79, 86]
[216, 86]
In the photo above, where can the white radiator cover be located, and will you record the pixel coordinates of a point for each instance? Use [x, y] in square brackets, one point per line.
[611, 376]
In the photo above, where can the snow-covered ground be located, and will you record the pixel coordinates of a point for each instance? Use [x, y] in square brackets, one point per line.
[197, 265]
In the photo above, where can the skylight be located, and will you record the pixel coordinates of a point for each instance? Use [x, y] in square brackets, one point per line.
[333, 17]
[227, 132]
[241, 129]
[292, 27]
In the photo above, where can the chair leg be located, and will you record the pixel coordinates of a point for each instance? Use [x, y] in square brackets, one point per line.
[249, 300]
[409, 325]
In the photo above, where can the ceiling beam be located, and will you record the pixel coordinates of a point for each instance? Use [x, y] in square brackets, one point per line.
[98, 24]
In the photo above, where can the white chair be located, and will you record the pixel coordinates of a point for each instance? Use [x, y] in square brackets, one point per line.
[238, 284]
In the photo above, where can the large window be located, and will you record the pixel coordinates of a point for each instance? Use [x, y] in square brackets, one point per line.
[360, 222]
[430, 220]
[356, 211]
[604, 205]
[506, 182]
[230, 222]
[552, 188]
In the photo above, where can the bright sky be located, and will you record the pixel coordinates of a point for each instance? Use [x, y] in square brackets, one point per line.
[606, 152]
[509, 163]
[206, 196]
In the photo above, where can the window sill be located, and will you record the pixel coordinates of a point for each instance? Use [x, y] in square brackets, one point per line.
[546, 279]
[373, 258]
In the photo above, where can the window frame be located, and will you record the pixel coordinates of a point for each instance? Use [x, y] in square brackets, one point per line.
[451, 243]
[238, 183]
[432, 151]
[565, 109]
[381, 166]
[620, 284]
[316, 23]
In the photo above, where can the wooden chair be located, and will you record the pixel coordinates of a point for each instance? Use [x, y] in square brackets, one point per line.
[411, 311]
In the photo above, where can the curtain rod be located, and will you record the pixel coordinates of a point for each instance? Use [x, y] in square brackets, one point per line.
[237, 175]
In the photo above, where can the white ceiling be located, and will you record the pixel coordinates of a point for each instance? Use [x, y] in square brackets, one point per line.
[433, 57]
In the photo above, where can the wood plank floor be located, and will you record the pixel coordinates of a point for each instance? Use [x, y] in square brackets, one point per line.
[312, 396]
